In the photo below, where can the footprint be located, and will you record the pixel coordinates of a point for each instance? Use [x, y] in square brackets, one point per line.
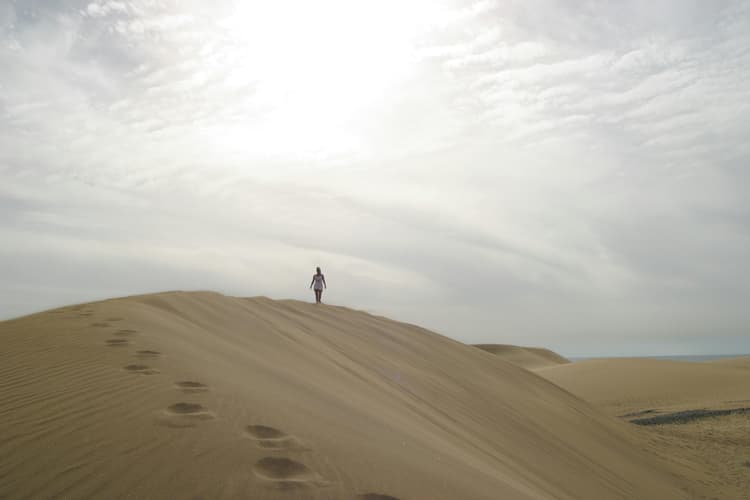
[85, 315]
[286, 473]
[264, 432]
[376, 496]
[193, 410]
[117, 342]
[114, 319]
[188, 386]
[273, 439]
[186, 408]
[100, 325]
[125, 332]
[180, 415]
[142, 369]
[147, 354]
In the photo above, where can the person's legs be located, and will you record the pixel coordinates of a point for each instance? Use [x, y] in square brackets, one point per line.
[317, 296]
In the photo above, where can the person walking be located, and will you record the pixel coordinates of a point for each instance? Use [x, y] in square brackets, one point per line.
[320, 282]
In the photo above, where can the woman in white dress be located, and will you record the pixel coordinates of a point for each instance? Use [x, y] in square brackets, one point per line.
[320, 282]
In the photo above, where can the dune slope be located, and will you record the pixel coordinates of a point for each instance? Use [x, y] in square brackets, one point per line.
[198, 395]
[697, 413]
[531, 358]
[629, 384]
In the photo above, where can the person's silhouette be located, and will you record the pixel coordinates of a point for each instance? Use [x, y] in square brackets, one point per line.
[320, 282]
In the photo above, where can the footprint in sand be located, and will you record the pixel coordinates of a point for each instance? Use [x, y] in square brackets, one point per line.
[100, 325]
[190, 386]
[376, 496]
[117, 342]
[180, 415]
[191, 409]
[286, 473]
[273, 439]
[125, 332]
[147, 354]
[114, 319]
[142, 369]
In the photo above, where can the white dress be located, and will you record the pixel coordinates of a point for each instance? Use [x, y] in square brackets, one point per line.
[318, 279]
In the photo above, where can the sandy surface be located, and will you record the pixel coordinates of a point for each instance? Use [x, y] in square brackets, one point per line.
[531, 358]
[198, 395]
[697, 414]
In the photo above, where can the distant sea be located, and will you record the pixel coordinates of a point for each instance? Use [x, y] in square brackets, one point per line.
[694, 357]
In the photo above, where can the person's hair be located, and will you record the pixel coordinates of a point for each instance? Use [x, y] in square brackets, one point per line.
[317, 269]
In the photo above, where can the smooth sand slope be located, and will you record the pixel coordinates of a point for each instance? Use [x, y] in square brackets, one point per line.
[198, 395]
[531, 358]
[622, 385]
[697, 413]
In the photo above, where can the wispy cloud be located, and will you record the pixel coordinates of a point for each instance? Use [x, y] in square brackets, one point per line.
[525, 171]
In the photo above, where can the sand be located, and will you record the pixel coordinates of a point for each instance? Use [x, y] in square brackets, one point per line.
[626, 385]
[531, 358]
[697, 414]
[199, 395]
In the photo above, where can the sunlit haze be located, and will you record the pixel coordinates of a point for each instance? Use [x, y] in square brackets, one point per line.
[565, 174]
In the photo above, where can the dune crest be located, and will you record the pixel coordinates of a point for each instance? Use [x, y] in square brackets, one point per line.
[531, 358]
[256, 398]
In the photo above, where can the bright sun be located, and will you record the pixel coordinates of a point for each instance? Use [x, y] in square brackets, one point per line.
[319, 65]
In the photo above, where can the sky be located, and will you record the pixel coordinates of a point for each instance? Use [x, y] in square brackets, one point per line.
[571, 175]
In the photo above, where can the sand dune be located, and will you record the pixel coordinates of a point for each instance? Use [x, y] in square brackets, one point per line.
[738, 362]
[531, 358]
[198, 395]
[697, 413]
[622, 385]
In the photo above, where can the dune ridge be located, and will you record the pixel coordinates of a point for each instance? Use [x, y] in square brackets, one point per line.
[208, 396]
[531, 358]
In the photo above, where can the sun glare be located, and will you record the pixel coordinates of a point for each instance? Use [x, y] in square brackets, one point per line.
[318, 65]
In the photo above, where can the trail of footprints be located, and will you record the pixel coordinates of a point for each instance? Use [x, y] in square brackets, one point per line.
[282, 472]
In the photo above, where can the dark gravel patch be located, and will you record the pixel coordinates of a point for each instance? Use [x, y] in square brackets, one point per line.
[683, 417]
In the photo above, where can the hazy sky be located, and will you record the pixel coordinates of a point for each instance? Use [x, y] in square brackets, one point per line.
[557, 173]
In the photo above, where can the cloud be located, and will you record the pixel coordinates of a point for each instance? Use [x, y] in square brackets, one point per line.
[524, 172]
[102, 9]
